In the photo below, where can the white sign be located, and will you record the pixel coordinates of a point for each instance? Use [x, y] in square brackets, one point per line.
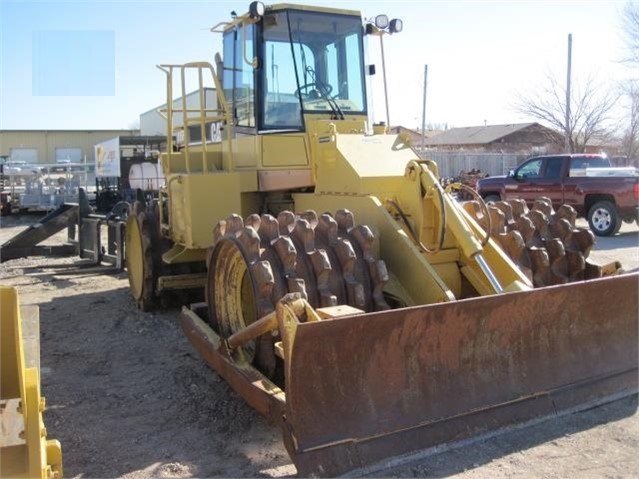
[107, 158]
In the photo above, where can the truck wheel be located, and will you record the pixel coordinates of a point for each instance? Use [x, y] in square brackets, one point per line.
[603, 219]
[493, 198]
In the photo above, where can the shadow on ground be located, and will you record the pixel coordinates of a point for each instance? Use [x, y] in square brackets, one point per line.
[127, 394]
[477, 453]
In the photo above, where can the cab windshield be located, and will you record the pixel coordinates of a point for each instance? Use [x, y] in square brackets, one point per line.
[311, 63]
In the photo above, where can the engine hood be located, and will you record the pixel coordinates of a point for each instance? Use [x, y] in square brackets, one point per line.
[491, 181]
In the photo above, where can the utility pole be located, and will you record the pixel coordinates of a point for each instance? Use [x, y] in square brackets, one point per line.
[567, 125]
[424, 108]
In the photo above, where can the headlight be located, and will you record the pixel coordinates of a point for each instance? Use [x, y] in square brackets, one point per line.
[381, 21]
[256, 9]
[396, 25]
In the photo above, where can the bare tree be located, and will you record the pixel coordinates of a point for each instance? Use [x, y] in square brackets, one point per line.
[590, 109]
[630, 88]
[630, 32]
[629, 127]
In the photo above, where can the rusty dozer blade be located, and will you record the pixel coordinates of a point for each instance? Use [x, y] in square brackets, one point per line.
[362, 389]
[365, 388]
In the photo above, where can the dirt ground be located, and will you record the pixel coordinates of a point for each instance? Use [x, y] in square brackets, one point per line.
[128, 397]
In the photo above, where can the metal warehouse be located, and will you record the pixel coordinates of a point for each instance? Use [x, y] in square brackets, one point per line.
[55, 146]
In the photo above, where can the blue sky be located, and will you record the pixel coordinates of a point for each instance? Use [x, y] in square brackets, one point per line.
[89, 71]
[91, 64]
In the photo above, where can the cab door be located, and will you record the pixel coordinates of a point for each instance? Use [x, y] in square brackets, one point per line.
[538, 177]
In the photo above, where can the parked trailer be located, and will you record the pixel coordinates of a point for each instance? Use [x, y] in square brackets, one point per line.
[125, 165]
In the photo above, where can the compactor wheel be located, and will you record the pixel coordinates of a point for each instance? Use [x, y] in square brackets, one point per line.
[141, 235]
[256, 261]
[544, 243]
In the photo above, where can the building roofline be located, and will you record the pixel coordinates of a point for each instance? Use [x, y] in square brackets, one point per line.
[474, 138]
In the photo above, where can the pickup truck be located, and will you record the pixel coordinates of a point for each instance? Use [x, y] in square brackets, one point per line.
[604, 195]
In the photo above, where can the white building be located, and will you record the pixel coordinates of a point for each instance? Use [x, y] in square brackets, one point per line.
[153, 122]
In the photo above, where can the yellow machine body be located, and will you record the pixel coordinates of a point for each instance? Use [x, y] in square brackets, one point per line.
[354, 170]
[25, 451]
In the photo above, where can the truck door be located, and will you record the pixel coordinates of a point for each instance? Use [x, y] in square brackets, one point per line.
[538, 177]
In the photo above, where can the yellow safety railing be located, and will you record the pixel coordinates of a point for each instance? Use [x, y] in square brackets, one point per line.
[200, 116]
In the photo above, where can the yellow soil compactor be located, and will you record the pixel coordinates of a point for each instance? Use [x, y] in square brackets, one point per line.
[344, 292]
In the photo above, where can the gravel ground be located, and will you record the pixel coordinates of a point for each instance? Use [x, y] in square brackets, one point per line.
[128, 397]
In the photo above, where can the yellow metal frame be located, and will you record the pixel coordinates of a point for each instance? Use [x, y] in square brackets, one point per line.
[31, 455]
[430, 244]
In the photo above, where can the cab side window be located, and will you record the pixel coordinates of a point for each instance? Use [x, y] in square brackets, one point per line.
[531, 169]
[553, 167]
[238, 78]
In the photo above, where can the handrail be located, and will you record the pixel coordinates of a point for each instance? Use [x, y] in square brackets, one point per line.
[203, 114]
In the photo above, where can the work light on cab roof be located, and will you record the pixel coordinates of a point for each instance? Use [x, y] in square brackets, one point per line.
[381, 24]
[256, 9]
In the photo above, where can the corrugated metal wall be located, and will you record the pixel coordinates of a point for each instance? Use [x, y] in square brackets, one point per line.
[46, 142]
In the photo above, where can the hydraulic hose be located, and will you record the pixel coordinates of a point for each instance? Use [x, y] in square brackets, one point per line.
[482, 204]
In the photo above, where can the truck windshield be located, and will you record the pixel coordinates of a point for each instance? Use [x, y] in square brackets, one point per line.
[312, 62]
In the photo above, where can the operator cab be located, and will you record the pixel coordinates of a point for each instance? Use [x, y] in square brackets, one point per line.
[291, 62]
